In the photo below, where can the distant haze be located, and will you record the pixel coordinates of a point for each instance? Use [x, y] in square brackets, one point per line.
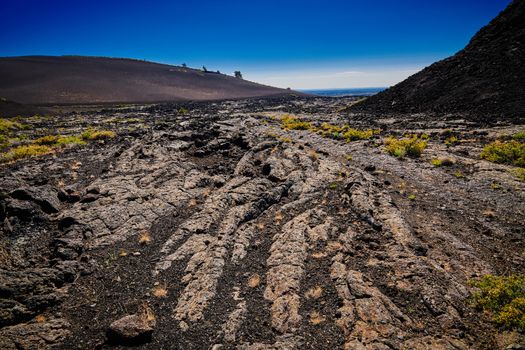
[319, 79]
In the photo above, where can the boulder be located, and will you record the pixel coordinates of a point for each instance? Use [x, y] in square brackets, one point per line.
[131, 329]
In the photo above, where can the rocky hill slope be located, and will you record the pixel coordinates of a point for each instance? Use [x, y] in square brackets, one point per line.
[486, 78]
[77, 79]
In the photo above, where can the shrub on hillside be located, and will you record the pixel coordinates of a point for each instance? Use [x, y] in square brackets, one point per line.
[504, 298]
[399, 148]
[510, 152]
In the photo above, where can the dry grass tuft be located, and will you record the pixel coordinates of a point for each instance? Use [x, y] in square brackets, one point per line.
[316, 318]
[314, 293]
[144, 237]
[160, 291]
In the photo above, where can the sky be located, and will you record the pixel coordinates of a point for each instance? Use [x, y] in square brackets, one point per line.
[301, 44]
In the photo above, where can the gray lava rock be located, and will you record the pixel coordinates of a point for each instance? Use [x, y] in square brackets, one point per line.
[90, 197]
[46, 197]
[23, 210]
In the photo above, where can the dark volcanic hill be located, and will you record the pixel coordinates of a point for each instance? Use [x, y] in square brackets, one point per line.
[486, 78]
[77, 79]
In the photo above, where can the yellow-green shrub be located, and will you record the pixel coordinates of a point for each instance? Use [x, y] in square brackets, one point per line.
[445, 161]
[411, 147]
[293, 123]
[504, 297]
[519, 173]
[510, 152]
[354, 134]
[93, 134]
[8, 125]
[519, 136]
[70, 140]
[451, 141]
[46, 140]
[24, 151]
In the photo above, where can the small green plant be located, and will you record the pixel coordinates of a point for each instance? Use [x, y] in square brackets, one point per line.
[344, 132]
[451, 141]
[511, 152]
[412, 197]
[503, 297]
[93, 134]
[9, 125]
[24, 151]
[399, 148]
[333, 186]
[349, 158]
[354, 134]
[183, 110]
[458, 174]
[445, 161]
[46, 140]
[70, 140]
[519, 136]
[284, 139]
[293, 123]
[495, 185]
[328, 129]
[519, 173]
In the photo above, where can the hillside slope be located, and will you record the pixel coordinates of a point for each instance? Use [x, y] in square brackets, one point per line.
[77, 79]
[486, 78]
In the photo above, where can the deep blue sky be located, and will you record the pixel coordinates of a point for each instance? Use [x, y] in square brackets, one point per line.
[293, 43]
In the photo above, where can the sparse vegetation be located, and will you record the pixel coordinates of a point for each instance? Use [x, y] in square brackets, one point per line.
[70, 140]
[445, 161]
[54, 140]
[451, 141]
[495, 185]
[314, 293]
[144, 237]
[92, 134]
[160, 291]
[46, 140]
[354, 134]
[519, 136]
[345, 132]
[316, 318]
[24, 151]
[293, 123]
[519, 173]
[458, 174]
[510, 152]
[399, 148]
[328, 130]
[9, 125]
[284, 139]
[503, 297]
